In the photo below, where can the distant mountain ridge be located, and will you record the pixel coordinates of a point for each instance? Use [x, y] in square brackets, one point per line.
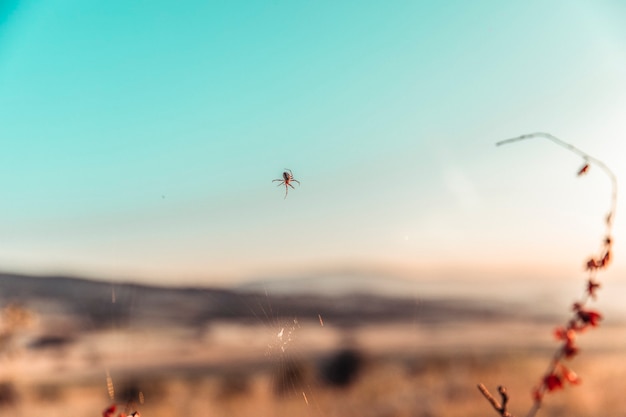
[100, 304]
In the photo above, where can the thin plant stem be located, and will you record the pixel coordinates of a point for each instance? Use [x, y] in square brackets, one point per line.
[556, 372]
[588, 158]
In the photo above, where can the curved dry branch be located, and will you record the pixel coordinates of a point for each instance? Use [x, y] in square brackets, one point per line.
[557, 374]
[587, 159]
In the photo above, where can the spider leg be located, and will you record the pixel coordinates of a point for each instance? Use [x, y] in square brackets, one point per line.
[278, 180]
[295, 181]
[286, 191]
[291, 186]
[282, 183]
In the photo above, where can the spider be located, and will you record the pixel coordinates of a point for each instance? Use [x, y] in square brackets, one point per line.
[287, 180]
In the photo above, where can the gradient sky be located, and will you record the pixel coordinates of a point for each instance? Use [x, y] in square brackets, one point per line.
[139, 138]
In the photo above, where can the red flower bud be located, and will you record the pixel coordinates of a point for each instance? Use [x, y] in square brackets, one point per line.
[570, 376]
[592, 286]
[553, 382]
[590, 317]
[570, 350]
[109, 412]
[583, 170]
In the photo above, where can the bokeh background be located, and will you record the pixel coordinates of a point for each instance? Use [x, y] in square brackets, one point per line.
[140, 141]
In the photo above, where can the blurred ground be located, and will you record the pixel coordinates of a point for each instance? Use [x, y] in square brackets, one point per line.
[280, 363]
[234, 370]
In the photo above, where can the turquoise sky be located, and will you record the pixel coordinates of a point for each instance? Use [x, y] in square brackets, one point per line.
[140, 138]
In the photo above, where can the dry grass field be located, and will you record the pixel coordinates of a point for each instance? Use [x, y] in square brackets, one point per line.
[286, 368]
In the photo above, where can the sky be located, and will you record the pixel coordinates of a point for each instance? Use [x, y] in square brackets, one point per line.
[139, 140]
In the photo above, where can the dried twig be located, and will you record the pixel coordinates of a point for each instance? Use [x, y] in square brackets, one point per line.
[500, 408]
[557, 373]
[588, 159]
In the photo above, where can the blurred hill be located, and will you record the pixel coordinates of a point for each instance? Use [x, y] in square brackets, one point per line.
[100, 304]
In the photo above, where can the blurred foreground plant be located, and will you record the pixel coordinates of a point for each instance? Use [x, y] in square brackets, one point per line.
[13, 319]
[112, 409]
[558, 374]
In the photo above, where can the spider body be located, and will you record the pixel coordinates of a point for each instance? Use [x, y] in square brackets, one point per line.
[287, 180]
